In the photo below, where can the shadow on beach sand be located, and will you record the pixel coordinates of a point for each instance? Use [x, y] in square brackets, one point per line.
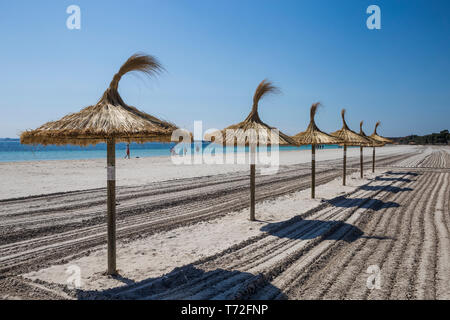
[367, 203]
[393, 179]
[191, 283]
[187, 282]
[385, 188]
[414, 174]
[311, 229]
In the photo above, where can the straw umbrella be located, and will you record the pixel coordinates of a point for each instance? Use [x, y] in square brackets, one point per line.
[380, 139]
[373, 143]
[110, 120]
[349, 138]
[249, 132]
[313, 136]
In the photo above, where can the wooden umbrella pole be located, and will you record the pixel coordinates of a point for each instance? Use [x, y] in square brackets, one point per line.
[111, 205]
[252, 182]
[373, 160]
[313, 171]
[361, 160]
[345, 165]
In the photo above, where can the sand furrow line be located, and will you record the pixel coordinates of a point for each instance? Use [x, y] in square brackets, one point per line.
[377, 249]
[101, 237]
[269, 192]
[395, 270]
[328, 272]
[350, 277]
[380, 259]
[225, 263]
[442, 210]
[124, 193]
[416, 246]
[426, 271]
[212, 278]
[373, 199]
[145, 192]
[230, 285]
[293, 276]
[284, 239]
[122, 213]
[213, 273]
[326, 214]
[102, 241]
[389, 262]
[258, 268]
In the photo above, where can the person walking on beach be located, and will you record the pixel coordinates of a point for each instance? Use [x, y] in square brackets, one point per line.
[128, 151]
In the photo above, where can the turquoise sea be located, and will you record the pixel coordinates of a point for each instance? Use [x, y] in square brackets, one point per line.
[12, 150]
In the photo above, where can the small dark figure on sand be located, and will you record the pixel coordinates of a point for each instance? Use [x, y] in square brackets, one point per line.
[128, 151]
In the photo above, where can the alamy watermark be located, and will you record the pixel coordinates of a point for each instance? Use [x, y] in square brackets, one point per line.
[234, 146]
[374, 20]
[374, 280]
[74, 20]
[74, 277]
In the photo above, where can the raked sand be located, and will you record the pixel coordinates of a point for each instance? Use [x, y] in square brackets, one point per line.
[160, 253]
[390, 218]
[21, 179]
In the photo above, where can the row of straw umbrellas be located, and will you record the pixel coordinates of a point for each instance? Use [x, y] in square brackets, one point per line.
[111, 120]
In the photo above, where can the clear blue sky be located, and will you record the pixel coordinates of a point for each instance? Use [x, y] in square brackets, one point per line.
[216, 52]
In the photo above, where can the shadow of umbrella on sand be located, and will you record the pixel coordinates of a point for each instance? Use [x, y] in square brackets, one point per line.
[250, 132]
[303, 229]
[190, 282]
[110, 120]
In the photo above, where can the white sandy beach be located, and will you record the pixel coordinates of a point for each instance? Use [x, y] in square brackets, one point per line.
[21, 179]
[364, 213]
[159, 254]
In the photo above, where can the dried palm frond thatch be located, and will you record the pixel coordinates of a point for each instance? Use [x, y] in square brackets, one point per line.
[241, 132]
[313, 135]
[109, 118]
[380, 139]
[349, 137]
[250, 132]
[376, 137]
[373, 142]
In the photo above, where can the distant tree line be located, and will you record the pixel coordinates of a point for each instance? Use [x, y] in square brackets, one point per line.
[442, 137]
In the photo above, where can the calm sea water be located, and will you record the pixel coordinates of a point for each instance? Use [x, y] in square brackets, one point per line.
[12, 150]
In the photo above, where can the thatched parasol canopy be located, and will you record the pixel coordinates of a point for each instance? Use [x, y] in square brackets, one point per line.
[312, 134]
[109, 118]
[376, 137]
[373, 142]
[349, 137]
[250, 133]
[253, 121]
